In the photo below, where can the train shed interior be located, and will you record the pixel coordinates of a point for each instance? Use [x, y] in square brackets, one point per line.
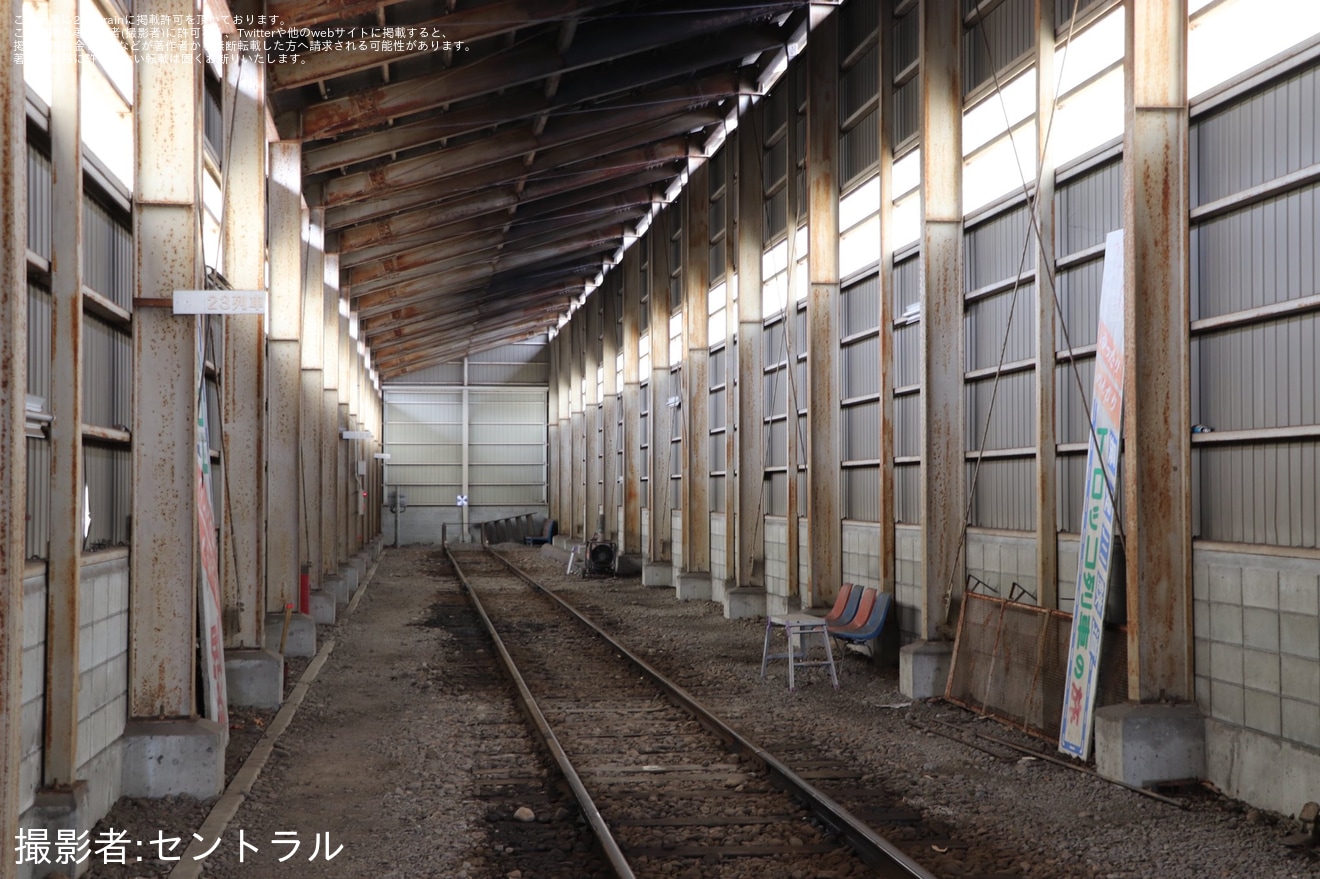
[1008, 310]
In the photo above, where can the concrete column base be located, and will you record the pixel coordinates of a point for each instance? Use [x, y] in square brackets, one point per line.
[923, 668]
[350, 575]
[1143, 744]
[301, 640]
[778, 604]
[169, 758]
[744, 602]
[563, 541]
[336, 586]
[719, 588]
[693, 586]
[359, 562]
[254, 678]
[658, 574]
[323, 607]
[55, 810]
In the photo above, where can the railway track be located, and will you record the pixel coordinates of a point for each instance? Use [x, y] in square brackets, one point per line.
[668, 789]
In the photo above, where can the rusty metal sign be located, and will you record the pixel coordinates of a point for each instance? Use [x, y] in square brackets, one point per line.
[219, 301]
[1097, 539]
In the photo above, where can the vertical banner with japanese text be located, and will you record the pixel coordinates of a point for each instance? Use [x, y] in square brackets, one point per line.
[213, 642]
[1097, 537]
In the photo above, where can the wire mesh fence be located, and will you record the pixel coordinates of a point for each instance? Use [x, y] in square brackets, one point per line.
[1008, 663]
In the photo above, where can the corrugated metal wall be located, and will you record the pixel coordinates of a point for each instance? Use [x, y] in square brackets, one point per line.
[1254, 372]
[907, 391]
[859, 361]
[505, 432]
[1088, 205]
[997, 39]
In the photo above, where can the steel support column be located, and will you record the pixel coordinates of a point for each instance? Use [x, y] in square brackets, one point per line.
[1047, 540]
[632, 403]
[592, 408]
[695, 409]
[577, 336]
[363, 414]
[1157, 439]
[350, 489]
[66, 404]
[244, 265]
[553, 485]
[282, 377]
[943, 484]
[661, 414]
[750, 423]
[13, 387]
[887, 549]
[610, 407]
[565, 340]
[312, 397]
[823, 507]
[163, 564]
[329, 416]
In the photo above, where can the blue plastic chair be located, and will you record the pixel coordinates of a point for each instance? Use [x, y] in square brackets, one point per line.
[871, 628]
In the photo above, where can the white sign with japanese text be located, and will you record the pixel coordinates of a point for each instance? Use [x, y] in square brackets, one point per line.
[1097, 537]
[219, 301]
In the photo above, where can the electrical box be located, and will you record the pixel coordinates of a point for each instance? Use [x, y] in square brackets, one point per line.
[361, 468]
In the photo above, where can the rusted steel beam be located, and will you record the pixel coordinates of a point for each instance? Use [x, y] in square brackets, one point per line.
[370, 253]
[464, 336]
[1157, 471]
[944, 497]
[424, 220]
[413, 323]
[13, 387]
[477, 183]
[824, 501]
[244, 368]
[63, 568]
[603, 133]
[398, 266]
[447, 125]
[435, 270]
[464, 25]
[750, 570]
[597, 43]
[601, 199]
[507, 108]
[696, 376]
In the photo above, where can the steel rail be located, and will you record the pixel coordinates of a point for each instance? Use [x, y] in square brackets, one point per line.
[872, 848]
[609, 845]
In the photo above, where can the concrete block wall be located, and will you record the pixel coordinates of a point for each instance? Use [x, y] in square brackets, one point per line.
[618, 532]
[34, 683]
[1003, 558]
[676, 539]
[776, 563]
[646, 532]
[907, 581]
[1070, 546]
[804, 563]
[103, 679]
[719, 561]
[861, 554]
[1256, 620]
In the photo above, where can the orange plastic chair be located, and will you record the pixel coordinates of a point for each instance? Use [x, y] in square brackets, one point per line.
[860, 617]
[843, 604]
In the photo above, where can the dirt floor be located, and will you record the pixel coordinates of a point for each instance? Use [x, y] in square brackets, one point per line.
[384, 759]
